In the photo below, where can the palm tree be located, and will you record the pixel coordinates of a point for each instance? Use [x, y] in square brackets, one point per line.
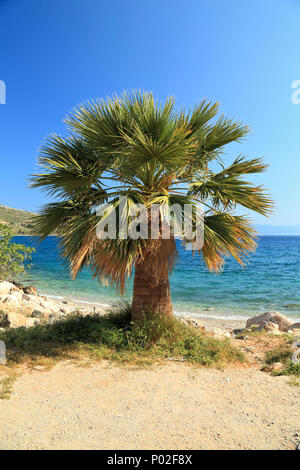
[151, 153]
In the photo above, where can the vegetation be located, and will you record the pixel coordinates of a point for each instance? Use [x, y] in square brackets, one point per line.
[283, 354]
[17, 220]
[152, 154]
[116, 338]
[6, 386]
[13, 256]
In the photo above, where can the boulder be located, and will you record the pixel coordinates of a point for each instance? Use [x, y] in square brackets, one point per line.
[5, 287]
[54, 317]
[29, 307]
[219, 333]
[18, 285]
[31, 303]
[49, 305]
[295, 326]
[16, 320]
[15, 289]
[268, 326]
[32, 322]
[4, 322]
[13, 299]
[270, 317]
[37, 314]
[275, 367]
[26, 298]
[192, 322]
[30, 290]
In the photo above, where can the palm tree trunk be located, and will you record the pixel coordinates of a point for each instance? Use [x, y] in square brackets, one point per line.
[150, 296]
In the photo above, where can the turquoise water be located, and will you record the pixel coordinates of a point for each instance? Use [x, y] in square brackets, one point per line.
[271, 281]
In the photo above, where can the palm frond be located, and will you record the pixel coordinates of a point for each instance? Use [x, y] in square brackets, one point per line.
[134, 146]
[227, 189]
[227, 235]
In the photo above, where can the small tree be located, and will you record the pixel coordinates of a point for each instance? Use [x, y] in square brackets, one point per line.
[12, 255]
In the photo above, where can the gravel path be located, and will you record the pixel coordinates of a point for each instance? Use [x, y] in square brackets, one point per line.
[174, 406]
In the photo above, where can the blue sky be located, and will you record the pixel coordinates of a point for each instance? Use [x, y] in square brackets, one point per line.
[55, 54]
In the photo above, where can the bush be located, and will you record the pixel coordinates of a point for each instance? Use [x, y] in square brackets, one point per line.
[13, 256]
[283, 354]
[114, 336]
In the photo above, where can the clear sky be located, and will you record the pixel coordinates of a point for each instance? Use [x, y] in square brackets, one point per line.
[245, 54]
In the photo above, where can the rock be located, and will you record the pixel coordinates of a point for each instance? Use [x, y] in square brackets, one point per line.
[57, 316]
[190, 321]
[269, 327]
[31, 303]
[220, 333]
[49, 305]
[273, 317]
[18, 285]
[237, 331]
[30, 290]
[37, 314]
[5, 287]
[275, 367]
[4, 322]
[16, 320]
[26, 297]
[54, 317]
[15, 289]
[2, 330]
[13, 299]
[32, 322]
[295, 326]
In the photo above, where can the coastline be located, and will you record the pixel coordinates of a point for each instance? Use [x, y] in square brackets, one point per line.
[33, 306]
[208, 320]
[237, 294]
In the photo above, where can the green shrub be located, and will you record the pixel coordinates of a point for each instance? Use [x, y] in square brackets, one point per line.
[283, 354]
[114, 336]
[13, 256]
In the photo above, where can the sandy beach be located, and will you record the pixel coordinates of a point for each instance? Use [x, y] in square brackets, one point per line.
[87, 404]
[174, 406]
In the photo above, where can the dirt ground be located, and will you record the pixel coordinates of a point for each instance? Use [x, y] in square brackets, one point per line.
[173, 406]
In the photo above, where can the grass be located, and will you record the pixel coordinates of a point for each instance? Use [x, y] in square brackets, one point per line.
[255, 333]
[283, 354]
[6, 386]
[116, 338]
[294, 382]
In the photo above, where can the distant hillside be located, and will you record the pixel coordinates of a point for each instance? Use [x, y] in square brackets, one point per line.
[17, 219]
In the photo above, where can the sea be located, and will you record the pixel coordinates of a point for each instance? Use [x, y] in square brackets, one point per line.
[269, 281]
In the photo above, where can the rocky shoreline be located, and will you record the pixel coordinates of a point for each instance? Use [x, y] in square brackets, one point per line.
[22, 306]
